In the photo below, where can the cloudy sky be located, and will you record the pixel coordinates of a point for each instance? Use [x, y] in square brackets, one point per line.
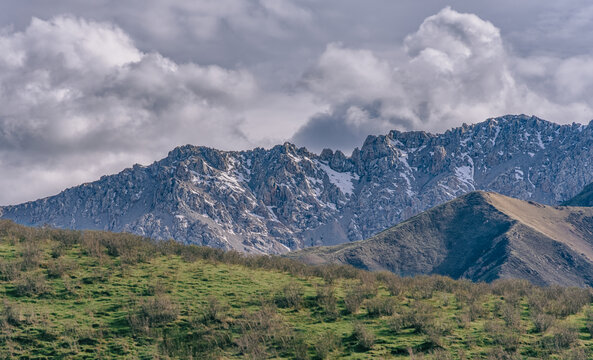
[88, 88]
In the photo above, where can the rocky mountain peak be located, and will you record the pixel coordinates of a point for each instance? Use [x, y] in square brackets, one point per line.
[272, 200]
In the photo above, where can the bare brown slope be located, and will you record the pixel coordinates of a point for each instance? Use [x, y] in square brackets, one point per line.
[481, 236]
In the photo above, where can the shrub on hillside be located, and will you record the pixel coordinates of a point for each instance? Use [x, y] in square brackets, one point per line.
[576, 354]
[364, 337]
[326, 343]
[56, 268]
[511, 315]
[152, 312]
[393, 283]
[291, 295]
[326, 299]
[397, 322]
[215, 310]
[420, 316]
[542, 322]
[435, 330]
[31, 284]
[563, 336]
[11, 314]
[508, 339]
[356, 295]
[30, 254]
[559, 301]
[441, 354]
[499, 353]
[298, 346]
[260, 330]
[380, 306]
[10, 269]
[159, 309]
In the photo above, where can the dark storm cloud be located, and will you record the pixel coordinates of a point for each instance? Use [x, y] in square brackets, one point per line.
[87, 88]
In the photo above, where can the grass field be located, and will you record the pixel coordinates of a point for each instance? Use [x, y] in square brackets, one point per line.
[99, 295]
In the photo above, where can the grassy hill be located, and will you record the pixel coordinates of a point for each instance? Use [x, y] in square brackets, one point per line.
[480, 236]
[87, 295]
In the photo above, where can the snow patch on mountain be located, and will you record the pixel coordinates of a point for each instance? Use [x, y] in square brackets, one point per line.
[344, 181]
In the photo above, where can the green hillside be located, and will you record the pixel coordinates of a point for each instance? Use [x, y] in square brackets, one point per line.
[80, 295]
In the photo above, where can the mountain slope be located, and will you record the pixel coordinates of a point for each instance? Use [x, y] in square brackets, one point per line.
[584, 198]
[285, 198]
[480, 236]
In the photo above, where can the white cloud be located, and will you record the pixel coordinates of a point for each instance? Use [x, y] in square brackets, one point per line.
[81, 98]
[456, 69]
[74, 92]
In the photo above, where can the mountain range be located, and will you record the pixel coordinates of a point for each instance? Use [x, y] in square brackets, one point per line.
[287, 198]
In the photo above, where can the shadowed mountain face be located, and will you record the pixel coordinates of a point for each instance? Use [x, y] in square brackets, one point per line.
[584, 198]
[287, 198]
[480, 236]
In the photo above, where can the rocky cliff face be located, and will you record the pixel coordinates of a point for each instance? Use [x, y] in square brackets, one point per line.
[288, 198]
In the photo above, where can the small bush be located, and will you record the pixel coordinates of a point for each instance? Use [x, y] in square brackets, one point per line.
[420, 317]
[215, 311]
[576, 353]
[364, 337]
[562, 302]
[71, 285]
[563, 337]
[396, 323]
[152, 312]
[262, 329]
[299, 347]
[511, 316]
[326, 343]
[12, 313]
[31, 284]
[10, 270]
[542, 322]
[326, 299]
[380, 306]
[356, 295]
[157, 287]
[441, 354]
[474, 311]
[291, 295]
[56, 268]
[502, 354]
[159, 310]
[31, 254]
[91, 245]
[502, 336]
[394, 284]
[435, 330]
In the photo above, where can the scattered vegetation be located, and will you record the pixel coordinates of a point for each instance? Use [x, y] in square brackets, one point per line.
[68, 294]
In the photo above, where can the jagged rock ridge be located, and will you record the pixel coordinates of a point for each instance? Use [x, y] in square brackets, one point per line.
[288, 198]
